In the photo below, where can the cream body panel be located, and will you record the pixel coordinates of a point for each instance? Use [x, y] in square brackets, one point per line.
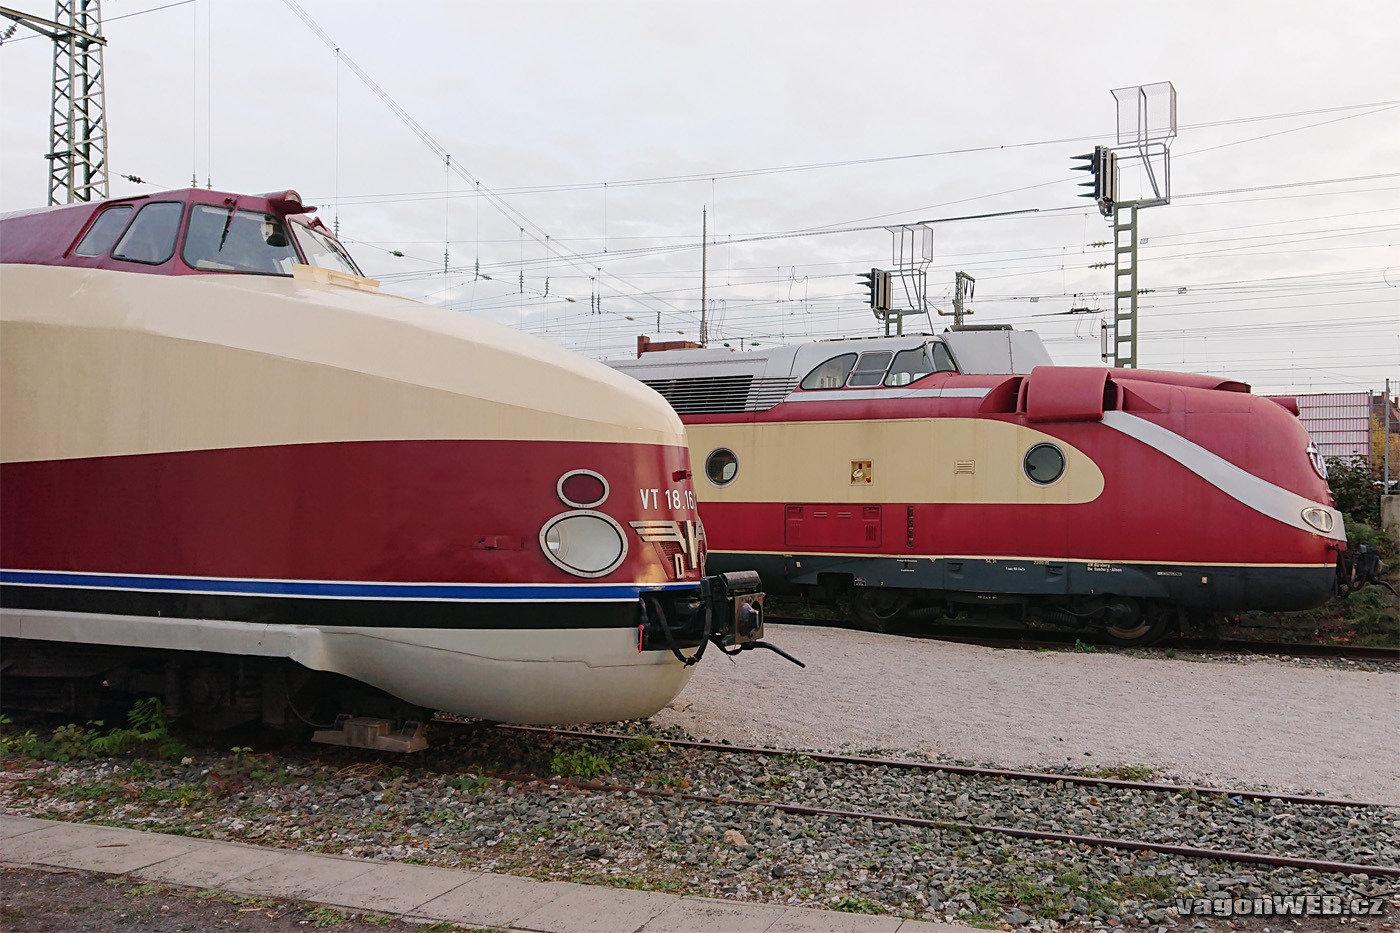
[99, 363]
[912, 461]
[575, 675]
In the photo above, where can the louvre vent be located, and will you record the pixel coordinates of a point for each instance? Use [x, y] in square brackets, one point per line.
[701, 395]
[964, 466]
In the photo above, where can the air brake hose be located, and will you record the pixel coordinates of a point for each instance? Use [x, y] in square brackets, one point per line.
[670, 636]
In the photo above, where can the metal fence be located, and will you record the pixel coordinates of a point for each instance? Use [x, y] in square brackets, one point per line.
[1340, 423]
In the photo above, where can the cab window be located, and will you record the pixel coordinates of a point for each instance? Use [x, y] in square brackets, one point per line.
[104, 231]
[151, 236]
[943, 360]
[870, 369]
[831, 374]
[221, 239]
[322, 251]
[911, 365]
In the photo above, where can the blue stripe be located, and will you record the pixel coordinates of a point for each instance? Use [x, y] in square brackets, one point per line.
[330, 589]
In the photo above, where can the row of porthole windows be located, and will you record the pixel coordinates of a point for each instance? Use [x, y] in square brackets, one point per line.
[1044, 464]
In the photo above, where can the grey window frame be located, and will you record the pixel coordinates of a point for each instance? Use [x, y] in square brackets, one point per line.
[99, 226]
[132, 229]
[825, 363]
[234, 268]
[878, 375]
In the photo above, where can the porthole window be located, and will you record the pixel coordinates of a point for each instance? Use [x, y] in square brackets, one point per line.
[583, 489]
[1044, 464]
[721, 466]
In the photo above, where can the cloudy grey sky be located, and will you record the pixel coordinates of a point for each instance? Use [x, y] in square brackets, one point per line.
[586, 139]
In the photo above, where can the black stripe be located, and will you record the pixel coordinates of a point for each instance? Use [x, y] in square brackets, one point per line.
[1217, 587]
[293, 610]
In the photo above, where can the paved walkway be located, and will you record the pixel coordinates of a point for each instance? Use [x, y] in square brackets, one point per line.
[412, 892]
[1287, 726]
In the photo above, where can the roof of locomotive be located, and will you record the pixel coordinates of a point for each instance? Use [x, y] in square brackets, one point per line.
[491, 380]
[977, 350]
[50, 236]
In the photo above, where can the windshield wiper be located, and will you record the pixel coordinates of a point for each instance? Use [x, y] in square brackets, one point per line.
[228, 222]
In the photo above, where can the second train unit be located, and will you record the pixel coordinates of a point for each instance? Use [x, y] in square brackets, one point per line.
[966, 470]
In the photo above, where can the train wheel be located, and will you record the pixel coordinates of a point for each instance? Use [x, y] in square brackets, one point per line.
[1129, 626]
[877, 609]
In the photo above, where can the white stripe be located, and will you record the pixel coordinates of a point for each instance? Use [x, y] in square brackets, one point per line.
[848, 395]
[1259, 494]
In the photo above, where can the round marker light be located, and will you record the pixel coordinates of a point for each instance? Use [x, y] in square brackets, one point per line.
[1319, 518]
[583, 489]
[586, 544]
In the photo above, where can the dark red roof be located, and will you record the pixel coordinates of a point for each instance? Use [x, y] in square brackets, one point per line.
[47, 236]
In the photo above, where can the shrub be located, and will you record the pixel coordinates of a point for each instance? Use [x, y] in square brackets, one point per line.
[1356, 488]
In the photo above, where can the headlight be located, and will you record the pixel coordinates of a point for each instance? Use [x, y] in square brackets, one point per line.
[1321, 519]
[586, 544]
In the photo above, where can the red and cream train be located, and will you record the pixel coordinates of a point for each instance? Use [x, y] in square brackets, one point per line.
[965, 470]
[237, 474]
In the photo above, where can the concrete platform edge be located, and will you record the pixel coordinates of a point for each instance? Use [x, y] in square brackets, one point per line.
[415, 893]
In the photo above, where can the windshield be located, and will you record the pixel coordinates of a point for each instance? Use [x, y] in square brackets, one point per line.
[224, 240]
[320, 250]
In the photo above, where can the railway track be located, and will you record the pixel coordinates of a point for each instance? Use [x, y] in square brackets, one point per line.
[1032, 639]
[928, 807]
[659, 810]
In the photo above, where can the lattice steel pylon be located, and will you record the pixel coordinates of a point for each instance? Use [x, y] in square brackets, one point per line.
[78, 118]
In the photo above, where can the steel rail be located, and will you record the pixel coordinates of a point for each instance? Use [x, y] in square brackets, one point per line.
[1041, 776]
[997, 637]
[1136, 845]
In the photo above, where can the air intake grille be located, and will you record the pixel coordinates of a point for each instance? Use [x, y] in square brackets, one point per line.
[703, 395]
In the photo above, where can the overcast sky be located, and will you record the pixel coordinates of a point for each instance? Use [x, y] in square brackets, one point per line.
[599, 132]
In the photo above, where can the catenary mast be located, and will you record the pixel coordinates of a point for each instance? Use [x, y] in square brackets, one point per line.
[78, 117]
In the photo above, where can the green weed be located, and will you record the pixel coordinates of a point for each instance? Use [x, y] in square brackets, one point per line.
[643, 743]
[1123, 772]
[985, 896]
[139, 890]
[470, 783]
[146, 732]
[853, 904]
[581, 763]
[22, 744]
[324, 917]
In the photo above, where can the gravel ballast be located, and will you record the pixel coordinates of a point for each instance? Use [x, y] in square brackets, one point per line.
[469, 801]
[1257, 722]
[451, 807]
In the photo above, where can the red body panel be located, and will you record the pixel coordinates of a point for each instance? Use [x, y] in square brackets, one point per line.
[1152, 509]
[400, 511]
